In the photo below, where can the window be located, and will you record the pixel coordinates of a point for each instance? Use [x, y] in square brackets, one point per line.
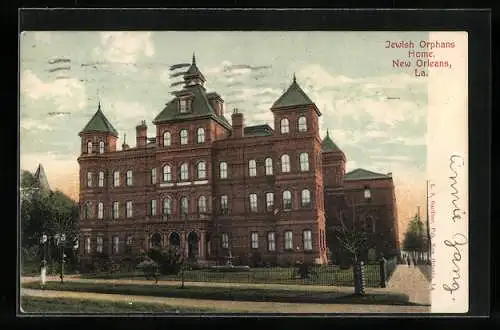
[88, 210]
[128, 209]
[89, 147]
[255, 240]
[184, 205]
[224, 207]
[87, 246]
[305, 198]
[100, 244]
[288, 240]
[269, 166]
[308, 240]
[285, 128]
[167, 206]
[253, 202]
[100, 210]
[129, 178]
[183, 105]
[285, 163]
[200, 135]
[202, 170]
[302, 124]
[89, 179]
[116, 179]
[184, 136]
[304, 162]
[202, 204]
[152, 206]
[116, 210]
[167, 139]
[167, 173]
[101, 179]
[252, 167]
[101, 147]
[223, 170]
[116, 244]
[153, 176]
[269, 201]
[225, 240]
[287, 200]
[130, 240]
[184, 171]
[271, 241]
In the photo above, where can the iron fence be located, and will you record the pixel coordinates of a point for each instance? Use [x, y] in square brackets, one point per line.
[390, 266]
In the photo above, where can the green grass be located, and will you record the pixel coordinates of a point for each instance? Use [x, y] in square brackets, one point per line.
[222, 293]
[71, 305]
[325, 275]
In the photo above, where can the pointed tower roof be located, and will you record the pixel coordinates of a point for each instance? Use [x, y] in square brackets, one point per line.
[99, 123]
[193, 72]
[327, 145]
[41, 178]
[294, 95]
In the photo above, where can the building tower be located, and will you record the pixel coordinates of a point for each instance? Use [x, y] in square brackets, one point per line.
[333, 163]
[98, 136]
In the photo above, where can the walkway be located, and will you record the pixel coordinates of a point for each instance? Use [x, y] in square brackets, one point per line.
[412, 281]
[232, 306]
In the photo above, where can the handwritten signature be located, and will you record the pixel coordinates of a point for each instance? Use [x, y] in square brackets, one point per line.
[457, 241]
[455, 162]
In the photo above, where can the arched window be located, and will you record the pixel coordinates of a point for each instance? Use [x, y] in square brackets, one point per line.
[167, 139]
[302, 124]
[89, 147]
[167, 173]
[285, 126]
[202, 170]
[223, 170]
[269, 166]
[287, 200]
[184, 172]
[167, 206]
[252, 167]
[202, 204]
[200, 135]
[305, 198]
[184, 206]
[101, 147]
[184, 136]
[285, 163]
[304, 162]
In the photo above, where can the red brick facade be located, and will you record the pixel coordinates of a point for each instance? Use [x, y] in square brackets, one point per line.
[248, 224]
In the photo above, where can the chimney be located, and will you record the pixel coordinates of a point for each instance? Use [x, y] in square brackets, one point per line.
[238, 127]
[125, 146]
[141, 137]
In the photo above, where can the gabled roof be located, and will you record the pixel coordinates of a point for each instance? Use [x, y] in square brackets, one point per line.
[327, 145]
[99, 123]
[362, 174]
[41, 178]
[200, 107]
[258, 130]
[294, 95]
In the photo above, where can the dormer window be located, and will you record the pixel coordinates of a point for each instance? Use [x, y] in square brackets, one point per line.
[89, 147]
[183, 105]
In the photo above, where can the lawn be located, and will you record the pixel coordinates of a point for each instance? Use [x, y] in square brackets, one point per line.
[70, 305]
[222, 293]
[324, 275]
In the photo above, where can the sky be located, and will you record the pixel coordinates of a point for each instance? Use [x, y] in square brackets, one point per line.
[375, 113]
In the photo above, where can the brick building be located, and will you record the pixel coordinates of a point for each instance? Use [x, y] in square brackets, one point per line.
[214, 188]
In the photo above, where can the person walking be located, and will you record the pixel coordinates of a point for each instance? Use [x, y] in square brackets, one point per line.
[408, 261]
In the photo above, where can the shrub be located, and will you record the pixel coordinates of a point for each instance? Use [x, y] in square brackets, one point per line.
[256, 259]
[149, 268]
[169, 260]
[101, 262]
[305, 270]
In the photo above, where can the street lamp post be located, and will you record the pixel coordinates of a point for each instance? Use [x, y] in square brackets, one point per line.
[43, 269]
[60, 240]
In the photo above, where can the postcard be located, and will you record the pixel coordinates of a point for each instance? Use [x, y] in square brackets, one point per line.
[244, 172]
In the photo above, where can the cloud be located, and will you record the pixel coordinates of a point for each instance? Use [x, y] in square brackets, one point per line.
[66, 94]
[125, 47]
[34, 125]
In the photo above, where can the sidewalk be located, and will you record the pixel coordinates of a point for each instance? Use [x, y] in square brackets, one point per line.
[232, 306]
[411, 281]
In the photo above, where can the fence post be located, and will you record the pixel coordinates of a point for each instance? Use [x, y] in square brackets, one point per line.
[383, 273]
